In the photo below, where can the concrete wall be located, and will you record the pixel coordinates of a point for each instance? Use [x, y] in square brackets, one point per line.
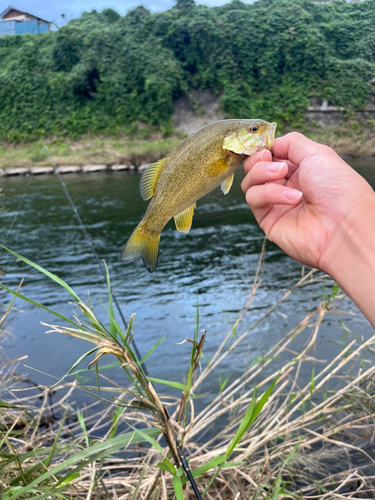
[199, 108]
[329, 116]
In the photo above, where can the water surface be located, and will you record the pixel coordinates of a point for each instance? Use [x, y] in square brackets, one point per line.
[214, 264]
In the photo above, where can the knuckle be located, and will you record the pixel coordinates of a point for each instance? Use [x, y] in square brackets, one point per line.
[268, 190]
[250, 197]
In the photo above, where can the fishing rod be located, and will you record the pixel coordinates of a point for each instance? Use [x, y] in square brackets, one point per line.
[183, 460]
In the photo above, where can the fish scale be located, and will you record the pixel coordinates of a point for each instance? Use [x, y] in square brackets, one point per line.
[205, 160]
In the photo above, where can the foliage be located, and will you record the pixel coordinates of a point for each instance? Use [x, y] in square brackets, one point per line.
[103, 72]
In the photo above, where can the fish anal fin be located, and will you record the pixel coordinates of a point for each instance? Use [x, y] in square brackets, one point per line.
[150, 177]
[227, 184]
[217, 168]
[184, 219]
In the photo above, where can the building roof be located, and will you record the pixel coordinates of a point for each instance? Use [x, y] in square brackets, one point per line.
[10, 8]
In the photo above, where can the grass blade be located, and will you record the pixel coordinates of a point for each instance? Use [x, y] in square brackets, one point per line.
[214, 462]
[41, 306]
[47, 273]
[177, 486]
[176, 385]
[146, 356]
[145, 437]
[85, 457]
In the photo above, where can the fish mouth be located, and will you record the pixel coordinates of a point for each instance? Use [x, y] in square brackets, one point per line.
[270, 136]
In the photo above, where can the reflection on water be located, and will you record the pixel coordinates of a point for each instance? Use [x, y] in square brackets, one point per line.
[215, 264]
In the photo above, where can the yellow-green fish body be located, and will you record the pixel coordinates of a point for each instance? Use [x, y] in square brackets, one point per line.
[203, 161]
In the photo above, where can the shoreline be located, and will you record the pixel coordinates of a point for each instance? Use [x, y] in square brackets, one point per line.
[115, 154]
[95, 168]
[70, 169]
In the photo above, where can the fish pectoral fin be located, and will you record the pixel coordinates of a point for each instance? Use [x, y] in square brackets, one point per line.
[184, 219]
[218, 167]
[227, 184]
[150, 177]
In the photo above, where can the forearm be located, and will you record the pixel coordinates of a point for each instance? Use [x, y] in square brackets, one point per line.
[351, 260]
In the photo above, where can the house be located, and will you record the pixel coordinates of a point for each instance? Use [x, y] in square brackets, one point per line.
[18, 22]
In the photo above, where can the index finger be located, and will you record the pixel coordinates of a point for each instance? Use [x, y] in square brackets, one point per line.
[295, 147]
[250, 161]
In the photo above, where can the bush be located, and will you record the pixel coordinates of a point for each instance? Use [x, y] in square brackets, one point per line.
[103, 72]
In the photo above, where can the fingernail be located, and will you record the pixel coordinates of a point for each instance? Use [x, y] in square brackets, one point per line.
[292, 194]
[262, 154]
[274, 168]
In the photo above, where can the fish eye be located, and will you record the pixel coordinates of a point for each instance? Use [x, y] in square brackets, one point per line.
[254, 128]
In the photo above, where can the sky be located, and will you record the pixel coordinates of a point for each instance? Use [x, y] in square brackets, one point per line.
[51, 10]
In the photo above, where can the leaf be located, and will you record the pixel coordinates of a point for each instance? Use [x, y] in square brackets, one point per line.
[71, 478]
[214, 462]
[83, 458]
[47, 273]
[263, 400]
[114, 327]
[251, 414]
[177, 486]
[244, 425]
[145, 437]
[292, 453]
[129, 329]
[177, 385]
[167, 466]
[26, 299]
[81, 358]
[232, 464]
[81, 421]
[116, 420]
[151, 350]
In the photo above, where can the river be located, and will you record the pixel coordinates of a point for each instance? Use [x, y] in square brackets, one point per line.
[213, 265]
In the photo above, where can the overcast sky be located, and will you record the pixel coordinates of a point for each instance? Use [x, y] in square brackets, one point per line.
[51, 10]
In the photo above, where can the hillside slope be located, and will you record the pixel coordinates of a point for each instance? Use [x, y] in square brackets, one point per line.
[105, 73]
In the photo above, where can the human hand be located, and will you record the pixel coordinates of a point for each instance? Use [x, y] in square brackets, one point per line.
[307, 200]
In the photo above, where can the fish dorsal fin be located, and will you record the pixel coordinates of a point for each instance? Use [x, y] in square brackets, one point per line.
[184, 219]
[150, 178]
[227, 184]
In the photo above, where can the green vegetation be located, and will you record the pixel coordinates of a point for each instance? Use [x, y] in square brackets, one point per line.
[104, 73]
[276, 435]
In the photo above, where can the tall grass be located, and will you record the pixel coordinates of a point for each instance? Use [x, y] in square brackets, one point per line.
[265, 435]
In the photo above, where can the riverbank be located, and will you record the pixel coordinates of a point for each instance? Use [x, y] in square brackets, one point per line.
[304, 439]
[123, 153]
[88, 151]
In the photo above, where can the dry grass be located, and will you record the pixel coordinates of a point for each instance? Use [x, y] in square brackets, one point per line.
[89, 150]
[350, 139]
[311, 441]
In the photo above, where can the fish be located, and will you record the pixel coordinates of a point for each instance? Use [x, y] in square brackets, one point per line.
[205, 160]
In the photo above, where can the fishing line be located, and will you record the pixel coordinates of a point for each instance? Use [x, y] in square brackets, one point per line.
[183, 460]
[87, 237]
[17, 212]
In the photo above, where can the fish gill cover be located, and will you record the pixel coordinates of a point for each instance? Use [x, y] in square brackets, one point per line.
[104, 73]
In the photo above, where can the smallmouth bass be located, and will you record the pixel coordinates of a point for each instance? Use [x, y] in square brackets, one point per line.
[205, 160]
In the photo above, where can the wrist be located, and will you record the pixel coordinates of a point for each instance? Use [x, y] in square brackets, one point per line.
[350, 258]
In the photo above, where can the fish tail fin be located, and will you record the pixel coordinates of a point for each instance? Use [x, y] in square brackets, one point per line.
[142, 243]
